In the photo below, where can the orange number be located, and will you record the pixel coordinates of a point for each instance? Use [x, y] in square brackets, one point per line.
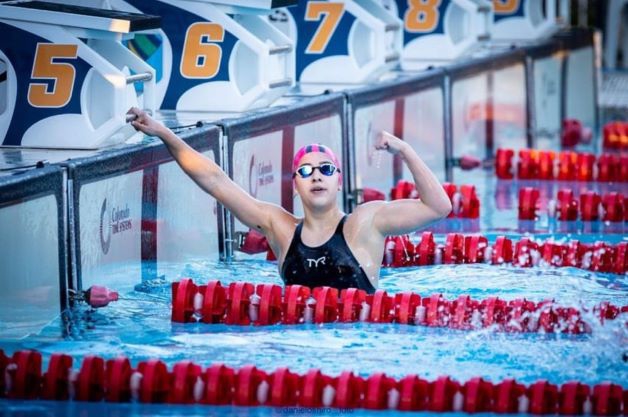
[422, 15]
[45, 68]
[201, 59]
[330, 13]
[505, 6]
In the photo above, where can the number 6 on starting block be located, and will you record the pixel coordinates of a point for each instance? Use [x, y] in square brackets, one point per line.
[68, 81]
[214, 55]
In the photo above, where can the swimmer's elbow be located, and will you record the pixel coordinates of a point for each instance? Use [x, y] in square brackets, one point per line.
[443, 209]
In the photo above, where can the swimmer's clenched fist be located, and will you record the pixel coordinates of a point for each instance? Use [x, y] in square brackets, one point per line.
[389, 142]
[142, 122]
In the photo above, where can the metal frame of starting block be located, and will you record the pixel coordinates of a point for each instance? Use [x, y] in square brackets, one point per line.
[438, 32]
[528, 20]
[342, 41]
[69, 79]
[209, 60]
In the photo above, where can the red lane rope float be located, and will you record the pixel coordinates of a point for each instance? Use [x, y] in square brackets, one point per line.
[535, 164]
[464, 199]
[460, 249]
[590, 206]
[615, 135]
[114, 381]
[299, 304]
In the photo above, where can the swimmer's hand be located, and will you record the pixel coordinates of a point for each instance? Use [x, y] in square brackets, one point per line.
[389, 142]
[142, 121]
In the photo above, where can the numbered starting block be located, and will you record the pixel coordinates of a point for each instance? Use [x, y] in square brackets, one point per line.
[438, 31]
[341, 42]
[214, 56]
[68, 80]
[528, 20]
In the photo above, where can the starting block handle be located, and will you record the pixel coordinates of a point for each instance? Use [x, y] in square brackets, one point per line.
[392, 27]
[280, 49]
[285, 82]
[139, 78]
[394, 56]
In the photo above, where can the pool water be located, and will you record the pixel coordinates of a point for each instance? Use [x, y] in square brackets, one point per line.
[138, 326]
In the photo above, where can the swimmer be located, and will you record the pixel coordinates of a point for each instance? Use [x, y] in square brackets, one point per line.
[326, 247]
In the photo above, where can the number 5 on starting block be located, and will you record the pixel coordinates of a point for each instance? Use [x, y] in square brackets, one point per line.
[66, 79]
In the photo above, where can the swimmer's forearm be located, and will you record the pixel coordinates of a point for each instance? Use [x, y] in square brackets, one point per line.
[200, 168]
[427, 185]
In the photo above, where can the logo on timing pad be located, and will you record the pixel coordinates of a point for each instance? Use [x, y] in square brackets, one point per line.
[315, 262]
[105, 242]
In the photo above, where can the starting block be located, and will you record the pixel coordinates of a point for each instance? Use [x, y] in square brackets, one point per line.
[438, 31]
[528, 20]
[69, 80]
[214, 56]
[359, 39]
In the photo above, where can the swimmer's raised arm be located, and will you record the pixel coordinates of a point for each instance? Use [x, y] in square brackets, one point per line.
[408, 215]
[210, 177]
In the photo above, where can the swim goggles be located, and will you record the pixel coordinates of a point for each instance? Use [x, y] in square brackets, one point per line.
[327, 169]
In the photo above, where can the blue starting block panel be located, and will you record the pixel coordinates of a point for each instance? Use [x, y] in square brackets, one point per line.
[66, 81]
[341, 42]
[439, 31]
[210, 60]
[528, 20]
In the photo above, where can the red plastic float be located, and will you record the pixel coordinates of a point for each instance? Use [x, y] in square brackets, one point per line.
[528, 164]
[269, 305]
[56, 382]
[351, 300]
[585, 167]
[454, 249]
[219, 385]
[246, 384]
[214, 302]
[117, 380]
[478, 396]
[294, 304]
[426, 249]
[414, 393]
[528, 203]
[326, 310]
[567, 205]
[503, 164]
[546, 165]
[381, 307]
[26, 378]
[155, 382]
[282, 392]
[238, 300]
[469, 202]
[349, 390]
[376, 392]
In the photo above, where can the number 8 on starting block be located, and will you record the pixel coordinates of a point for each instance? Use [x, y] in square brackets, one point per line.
[438, 31]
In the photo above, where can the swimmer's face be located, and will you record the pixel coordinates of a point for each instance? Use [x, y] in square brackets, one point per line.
[317, 190]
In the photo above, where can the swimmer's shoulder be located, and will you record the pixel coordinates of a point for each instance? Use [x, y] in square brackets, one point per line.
[363, 215]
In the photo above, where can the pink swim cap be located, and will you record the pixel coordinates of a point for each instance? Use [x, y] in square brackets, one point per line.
[315, 147]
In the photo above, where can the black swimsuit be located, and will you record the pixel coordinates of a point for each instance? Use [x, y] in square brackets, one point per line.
[331, 264]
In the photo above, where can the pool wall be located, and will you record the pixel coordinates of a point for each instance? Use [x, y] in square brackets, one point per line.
[132, 207]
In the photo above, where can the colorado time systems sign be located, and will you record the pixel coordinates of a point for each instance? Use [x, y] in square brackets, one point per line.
[113, 221]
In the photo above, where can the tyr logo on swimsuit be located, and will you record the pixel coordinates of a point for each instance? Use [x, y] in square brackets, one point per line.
[315, 262]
